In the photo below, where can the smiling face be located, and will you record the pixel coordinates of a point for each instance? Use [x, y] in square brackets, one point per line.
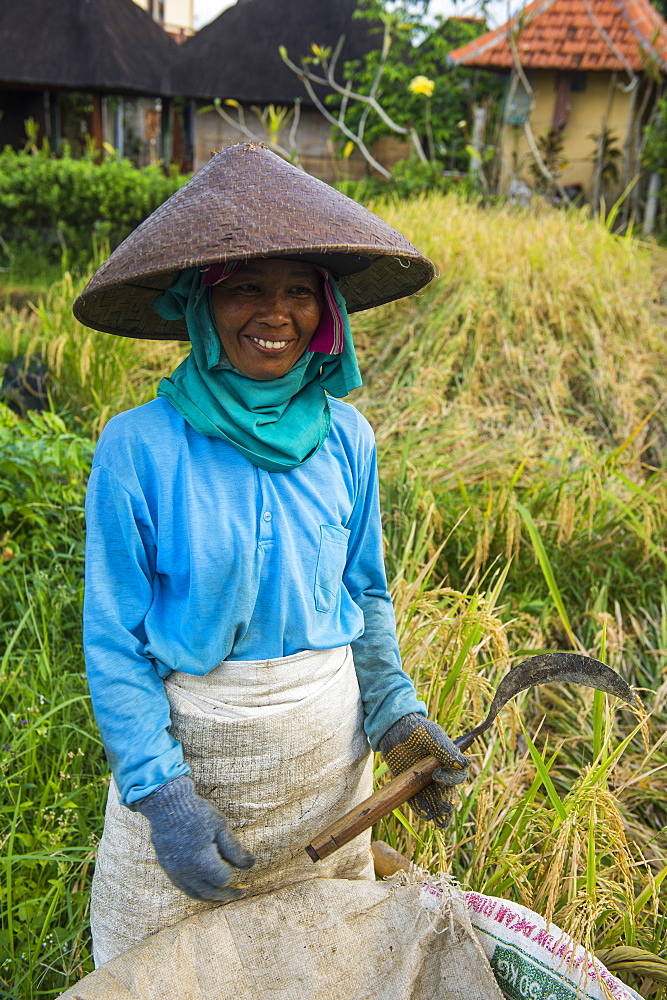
[266, 314]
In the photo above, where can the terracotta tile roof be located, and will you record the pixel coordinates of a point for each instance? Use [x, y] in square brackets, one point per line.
[570, 35]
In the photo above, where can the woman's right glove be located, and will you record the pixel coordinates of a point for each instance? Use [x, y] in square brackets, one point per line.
[193, 842]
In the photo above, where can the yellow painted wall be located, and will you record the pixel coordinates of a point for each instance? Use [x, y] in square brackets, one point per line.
[588, 112]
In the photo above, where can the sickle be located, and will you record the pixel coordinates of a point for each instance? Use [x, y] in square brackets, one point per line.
[547, 668]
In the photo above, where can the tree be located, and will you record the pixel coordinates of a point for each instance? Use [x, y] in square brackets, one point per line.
[403, 86]
[418, 55]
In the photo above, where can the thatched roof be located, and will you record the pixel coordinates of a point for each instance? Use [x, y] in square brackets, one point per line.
[111, 46]
[236, 56]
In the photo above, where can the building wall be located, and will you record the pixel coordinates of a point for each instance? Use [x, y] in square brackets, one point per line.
[133, 127]
[175, 16]
[589, 108]
[389, 149]
[313, 142]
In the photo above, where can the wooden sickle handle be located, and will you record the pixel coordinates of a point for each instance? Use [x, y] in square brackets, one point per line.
[390, 796]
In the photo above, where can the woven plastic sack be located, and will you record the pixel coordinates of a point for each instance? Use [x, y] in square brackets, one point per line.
[324, 939]
[279, 747]
[533, 959]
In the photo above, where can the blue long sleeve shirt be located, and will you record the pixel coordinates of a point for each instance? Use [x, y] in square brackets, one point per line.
[195, 556]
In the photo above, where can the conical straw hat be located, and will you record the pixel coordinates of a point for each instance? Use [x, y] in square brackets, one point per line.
[247, 202]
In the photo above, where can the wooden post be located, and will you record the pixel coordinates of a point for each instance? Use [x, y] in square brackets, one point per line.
[52, 119]
[96, 128]
[479, 125]
[651, 204]
[166, 132]
[119, 140]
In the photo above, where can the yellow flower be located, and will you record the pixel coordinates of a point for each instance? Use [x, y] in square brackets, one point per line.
[422, 85]
[320, 54]
[349, 148]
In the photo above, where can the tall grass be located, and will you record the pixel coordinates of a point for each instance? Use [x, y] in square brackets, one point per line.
[520, 411]
[94, 375]
[519, 408]
[51, 768]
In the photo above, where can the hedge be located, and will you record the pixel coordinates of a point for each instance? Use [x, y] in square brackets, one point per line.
[54, 205]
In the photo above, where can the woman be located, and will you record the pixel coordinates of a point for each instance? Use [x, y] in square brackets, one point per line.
[240, 641]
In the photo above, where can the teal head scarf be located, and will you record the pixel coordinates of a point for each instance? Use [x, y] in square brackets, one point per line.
[277, 424]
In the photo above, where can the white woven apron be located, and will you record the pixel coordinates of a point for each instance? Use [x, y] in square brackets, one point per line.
[279, 747]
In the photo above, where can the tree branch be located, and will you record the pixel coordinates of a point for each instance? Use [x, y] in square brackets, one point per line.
[530, 138]
[240, 124]
[363, 149]
[307, 74]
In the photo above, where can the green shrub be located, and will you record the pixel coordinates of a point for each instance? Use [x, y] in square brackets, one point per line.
[50, 206]
[43, 473]
[410, 178]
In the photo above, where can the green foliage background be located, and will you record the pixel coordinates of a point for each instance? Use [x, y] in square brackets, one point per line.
[420, 48]
[50, 205]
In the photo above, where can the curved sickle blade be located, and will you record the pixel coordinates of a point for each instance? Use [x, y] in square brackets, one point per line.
[550, 668]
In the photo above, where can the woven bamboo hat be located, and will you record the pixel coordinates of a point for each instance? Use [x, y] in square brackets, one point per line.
[248, 202]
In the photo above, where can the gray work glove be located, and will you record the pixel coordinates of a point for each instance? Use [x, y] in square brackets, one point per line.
[408, 741]
[194, 845]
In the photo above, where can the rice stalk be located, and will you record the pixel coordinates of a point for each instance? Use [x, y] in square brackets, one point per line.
[523, 389]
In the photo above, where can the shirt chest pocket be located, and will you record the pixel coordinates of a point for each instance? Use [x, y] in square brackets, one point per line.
[331, 560]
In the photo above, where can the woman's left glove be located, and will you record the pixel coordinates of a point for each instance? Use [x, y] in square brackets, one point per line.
[408, 741]
[193, 842]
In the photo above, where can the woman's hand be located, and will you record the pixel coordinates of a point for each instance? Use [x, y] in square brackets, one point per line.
[193, 842]
[408, 741]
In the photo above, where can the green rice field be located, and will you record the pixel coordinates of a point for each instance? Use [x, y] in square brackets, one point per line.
[520, 409]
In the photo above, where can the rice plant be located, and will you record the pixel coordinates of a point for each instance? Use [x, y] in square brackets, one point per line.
[519, 409]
